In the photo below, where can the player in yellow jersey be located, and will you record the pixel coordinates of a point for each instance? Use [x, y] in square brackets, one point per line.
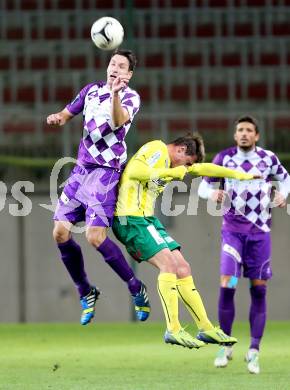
[145, 177]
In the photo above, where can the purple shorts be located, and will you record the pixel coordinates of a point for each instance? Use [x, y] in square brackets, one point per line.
[89, 195]
[250, 251]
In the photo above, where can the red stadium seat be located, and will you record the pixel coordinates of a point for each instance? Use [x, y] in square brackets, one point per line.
[191, 60]
[4, 63]
[243, 29]
[64, 93]
[99, 4]
[282, 123]
[232, 59]
[78, 62]
[52, 33]
[145, 93]
[7, 95]
[39, 63]
[206, 124]
[19, 127]
[281, 28]
[205, 30]
[155, 61]
[15, 33]
[145, 124]
[183, 125]
[180, 92]
[219, 92]
[258, 91]
[26, 94]
[270, 59]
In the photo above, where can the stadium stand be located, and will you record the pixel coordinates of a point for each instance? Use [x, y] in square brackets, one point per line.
[195, 58]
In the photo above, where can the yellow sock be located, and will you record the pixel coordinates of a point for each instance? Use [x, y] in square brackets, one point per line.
[192, 301]
[166, 287]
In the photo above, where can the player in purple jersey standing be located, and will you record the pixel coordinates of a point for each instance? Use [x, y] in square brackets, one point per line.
[246, 240]
[91, 191]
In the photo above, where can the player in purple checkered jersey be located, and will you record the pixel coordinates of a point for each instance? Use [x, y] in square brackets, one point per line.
[246, 241]
[90, 194]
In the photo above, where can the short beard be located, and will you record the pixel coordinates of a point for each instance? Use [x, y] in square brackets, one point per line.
[247, 148]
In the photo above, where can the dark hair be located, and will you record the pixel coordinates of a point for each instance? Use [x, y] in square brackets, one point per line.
[129, 55]
[194, 145]
[248, 118]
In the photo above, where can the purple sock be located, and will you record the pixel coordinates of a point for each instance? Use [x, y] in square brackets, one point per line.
[115, 259]
[72, 258]
[226, 309]
[257, 314]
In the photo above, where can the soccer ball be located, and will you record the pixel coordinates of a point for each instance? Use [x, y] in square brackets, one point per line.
[107, 33]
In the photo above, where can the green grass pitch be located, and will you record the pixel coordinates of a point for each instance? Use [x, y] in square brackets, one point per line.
[132, 357]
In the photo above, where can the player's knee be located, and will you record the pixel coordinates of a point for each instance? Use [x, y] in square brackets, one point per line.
[95, 237]
[183, 270]
[229, 281]
[258, 291]
[60, 235]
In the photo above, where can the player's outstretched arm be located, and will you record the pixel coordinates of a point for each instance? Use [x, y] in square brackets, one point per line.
[213, 170]
[59, 118]
[119, 114]
[140, 170]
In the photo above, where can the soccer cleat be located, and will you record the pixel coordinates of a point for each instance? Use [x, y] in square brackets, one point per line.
[252, 358]
[182, 338]
[216, 336]
[88, 303]
[142, 305]
[223, 356]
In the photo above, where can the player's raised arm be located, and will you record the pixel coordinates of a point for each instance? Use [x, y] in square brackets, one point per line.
[59, 118]
[139, 169]
[213, 170]
[119, 114]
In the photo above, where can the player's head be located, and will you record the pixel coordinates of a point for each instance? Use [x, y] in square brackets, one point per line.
[186, 150]
[246, 132]
[122, 63]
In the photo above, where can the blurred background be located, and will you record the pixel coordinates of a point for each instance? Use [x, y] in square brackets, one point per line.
[201, 64]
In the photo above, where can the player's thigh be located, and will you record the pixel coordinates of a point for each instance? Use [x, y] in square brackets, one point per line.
[69, 207]
[164, 261]
[100, 189]
[172, 244]
[231, 255]
[257, 257]
[139, 236]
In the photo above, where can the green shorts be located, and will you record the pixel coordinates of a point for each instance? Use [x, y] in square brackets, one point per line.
[143, 237]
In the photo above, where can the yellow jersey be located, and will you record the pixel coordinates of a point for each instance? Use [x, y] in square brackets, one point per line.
[136, 196]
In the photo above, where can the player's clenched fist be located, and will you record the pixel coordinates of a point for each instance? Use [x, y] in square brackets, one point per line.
[178, 172]
[59, 118]
[55, 119]
[218, 196]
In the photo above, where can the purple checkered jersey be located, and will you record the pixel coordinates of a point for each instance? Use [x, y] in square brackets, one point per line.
[248, 205]
[102, 143]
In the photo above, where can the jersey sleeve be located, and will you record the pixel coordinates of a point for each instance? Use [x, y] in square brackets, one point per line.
[131, 101]
[218, 160]
[77, 104]
[279, 173]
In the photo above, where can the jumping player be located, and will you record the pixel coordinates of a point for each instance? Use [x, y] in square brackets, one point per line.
[90, 194]
[146, 239]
